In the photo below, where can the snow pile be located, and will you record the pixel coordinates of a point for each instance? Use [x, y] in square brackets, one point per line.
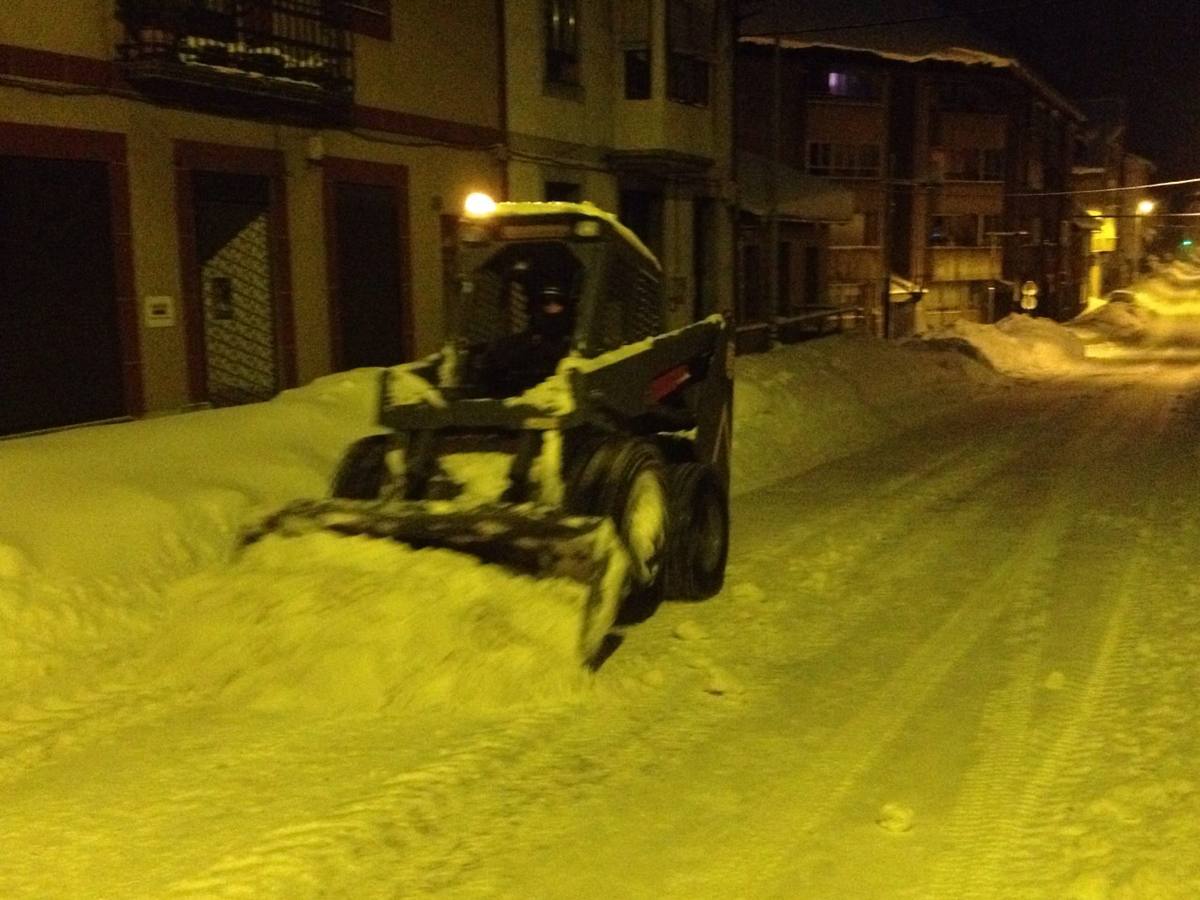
[1120, 321]
[1162, 315]
[1172, 288]
[99, 518]
[359, 625]
[1016, 345]
[164, 494]
[800, 406]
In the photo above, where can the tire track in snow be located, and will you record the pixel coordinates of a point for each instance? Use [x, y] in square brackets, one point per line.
[856, 747]
[986, 819]
[1107, 685]
[446, 820]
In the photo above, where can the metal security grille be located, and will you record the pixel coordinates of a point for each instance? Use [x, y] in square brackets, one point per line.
[296, 42]
[239, 329]
[633, 310]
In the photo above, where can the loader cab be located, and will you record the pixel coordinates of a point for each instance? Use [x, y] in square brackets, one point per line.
[541, 281]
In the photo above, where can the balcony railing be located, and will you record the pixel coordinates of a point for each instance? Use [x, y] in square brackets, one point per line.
[295, 51]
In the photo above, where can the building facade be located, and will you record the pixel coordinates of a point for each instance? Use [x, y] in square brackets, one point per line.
[958, 162]
[628, 105]
[207, 201]
[1106, 177]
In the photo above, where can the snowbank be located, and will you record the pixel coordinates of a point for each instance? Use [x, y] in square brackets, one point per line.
[1016, 345]
[123, 536]
[800, 406]
[1163, 314]
[360, 625]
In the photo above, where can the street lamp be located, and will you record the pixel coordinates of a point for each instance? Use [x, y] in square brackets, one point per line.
[1145, 207]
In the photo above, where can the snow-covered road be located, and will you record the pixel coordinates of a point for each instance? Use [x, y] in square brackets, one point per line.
[955, 663]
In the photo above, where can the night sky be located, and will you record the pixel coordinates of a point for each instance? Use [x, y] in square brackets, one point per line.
[1147, 51]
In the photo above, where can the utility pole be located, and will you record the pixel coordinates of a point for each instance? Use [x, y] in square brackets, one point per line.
[772, 248]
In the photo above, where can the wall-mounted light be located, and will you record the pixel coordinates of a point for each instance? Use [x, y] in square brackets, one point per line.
[479, 204]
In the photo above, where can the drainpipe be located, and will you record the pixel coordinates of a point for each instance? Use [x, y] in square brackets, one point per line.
[772, 249]
[502, 74]
[885, 235]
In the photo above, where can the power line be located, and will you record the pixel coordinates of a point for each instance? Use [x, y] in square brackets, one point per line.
[1134, 187]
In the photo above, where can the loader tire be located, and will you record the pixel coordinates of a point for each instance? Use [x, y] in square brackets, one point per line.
[698, 539]
[624, 480]
[363, 471]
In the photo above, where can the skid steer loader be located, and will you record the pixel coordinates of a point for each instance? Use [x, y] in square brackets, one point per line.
[562, 431]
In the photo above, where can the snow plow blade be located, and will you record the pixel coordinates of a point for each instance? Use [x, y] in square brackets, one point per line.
[542, 542]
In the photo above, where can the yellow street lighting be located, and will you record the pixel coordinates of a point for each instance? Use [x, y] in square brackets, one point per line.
[479, 204]
[1145, 207]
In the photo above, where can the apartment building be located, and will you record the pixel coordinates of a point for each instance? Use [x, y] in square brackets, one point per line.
[628, 105]
[206, 201]
[1107, 177]
[958, 159]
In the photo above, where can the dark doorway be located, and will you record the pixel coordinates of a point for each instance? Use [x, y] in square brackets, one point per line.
[60, 351]
[812, 275]
[784, 276]
[370, 301]
[642, 211]
[233, 256]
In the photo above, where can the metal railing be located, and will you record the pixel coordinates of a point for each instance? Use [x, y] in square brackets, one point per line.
[817, 321]
[289, 45]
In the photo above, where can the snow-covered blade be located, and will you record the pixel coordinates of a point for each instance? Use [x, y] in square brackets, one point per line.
[529, 539]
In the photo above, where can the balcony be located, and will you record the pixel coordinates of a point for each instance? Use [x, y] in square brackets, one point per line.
[965, 263]
[286, 58]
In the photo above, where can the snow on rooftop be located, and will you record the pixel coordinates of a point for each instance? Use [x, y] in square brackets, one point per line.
[963, 55]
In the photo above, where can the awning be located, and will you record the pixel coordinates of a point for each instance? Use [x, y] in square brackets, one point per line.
[802, 197]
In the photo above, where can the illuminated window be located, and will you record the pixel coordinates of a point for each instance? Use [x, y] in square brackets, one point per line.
[955, 231]
[562, 41]
[849, 84]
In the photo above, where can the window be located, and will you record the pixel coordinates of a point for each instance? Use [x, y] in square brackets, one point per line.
[954, 231]
[562, 41]
[992, 228]
[844, 160]
[972, 164]
[871, 231]
[691, 36]
[637, 74]
[993, 164]
[862, 230]
[1033, 232]
[847, 84]
[564, 191]
[371, 18]
[962, 164]
[1034, 177]
[634, 36]
[961, 96]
